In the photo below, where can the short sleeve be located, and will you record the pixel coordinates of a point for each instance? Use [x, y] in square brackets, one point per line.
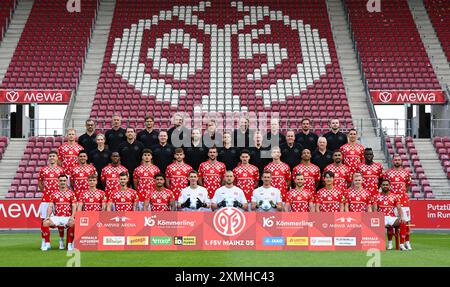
[200, 170]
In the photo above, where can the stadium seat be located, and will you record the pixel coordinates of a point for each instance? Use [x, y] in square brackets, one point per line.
[438, 11]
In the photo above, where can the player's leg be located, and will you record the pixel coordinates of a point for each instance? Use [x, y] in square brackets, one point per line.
[390, 230]
[45, 231]
[70, 234]
[402, 227]
[61, 237]
[47, 224]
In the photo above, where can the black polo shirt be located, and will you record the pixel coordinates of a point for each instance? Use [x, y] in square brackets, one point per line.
[163, 156]
[148, 139]
[291, 155]
[242, 140]
[257, 158]
[308, 141]
[322, 160]
[335, 140]
[178, 136]
[99, 159]
[229, 156]
[216, 139]
[195, 155]
[88, 142]
[131, 155]
[114, 138]
[268, 139]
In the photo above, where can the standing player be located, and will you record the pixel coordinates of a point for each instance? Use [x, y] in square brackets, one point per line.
[371, 172]
[342, 175]
[211, 172]
[329, 198]
[300, 198]
[400, 181]
[160, 198]
[143, 178]
[246, 175]
[65, 205]
[177, 173]
[229, 195]
[80, 173]
[387, 203]
[352, 152]
[92, 199]
[125, 198]
[47, 184]
[357, 198]
[267, 197]
[310, 172]
[281, 173]
[110, 174]
[194, 197]
[68, 152]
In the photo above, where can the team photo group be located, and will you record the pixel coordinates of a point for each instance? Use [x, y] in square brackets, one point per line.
[205, 170]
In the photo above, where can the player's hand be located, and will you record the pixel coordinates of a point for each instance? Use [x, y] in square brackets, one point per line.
[272, 204]
[200, 203]
[237, 204]
[187, 203]
[259, 203]
[223, 203]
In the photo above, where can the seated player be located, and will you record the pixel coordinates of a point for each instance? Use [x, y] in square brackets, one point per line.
[92, 199]
[329, 198]
[65, 205]
[194, 197]
[125, 198]
[387, 202]
[300, 198]
[358, 199]
[160, 198]
[267, 197]
[229, 195]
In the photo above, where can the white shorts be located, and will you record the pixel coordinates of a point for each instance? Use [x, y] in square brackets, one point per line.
[43, 209]
[390, 220]
[406, 213]
[60, 220]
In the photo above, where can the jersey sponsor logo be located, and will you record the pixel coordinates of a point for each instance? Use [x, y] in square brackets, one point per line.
[297, 241]
[137, 240]
[114, 240]
[229, 221]
[345, 241]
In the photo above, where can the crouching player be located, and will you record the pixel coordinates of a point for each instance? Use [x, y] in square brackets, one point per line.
[387, 202]
[229, 195]
[92, 199]
[65, 205]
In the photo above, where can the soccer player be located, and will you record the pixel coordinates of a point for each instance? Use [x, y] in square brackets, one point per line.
[281, 173]
[177, 173]
[144, 178]
[160, 198]
[65, 204]
[330, 198]
[342, 176]
[291, 150]
[194, 197]
[352, 152]
[130, 151]
[387, 202]
[116, 135]
[229, 195]
[163, 152]
[195, 153]
[267, 197]
[335, 137]
[228, 154]
[92, 199]
[300, 198]
[110, 174]
[400, 182]
[47, 184]
[246, 175]
[80, 173]
[357, 198]
[148, 136]
[100, 157]
[372, 172]
[211, 172]
[310, 172]
[88, 139]
[125, 198]
[68, 152]
[305, 137]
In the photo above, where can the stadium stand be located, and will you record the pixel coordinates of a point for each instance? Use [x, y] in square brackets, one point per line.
[3, 145]
[6, 10]
[325, 99]
[391, 51]
[439, 13]
[50, 53]
[442, 146]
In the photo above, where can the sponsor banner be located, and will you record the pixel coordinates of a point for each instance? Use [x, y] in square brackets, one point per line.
[396, 97]
[433, 214]
[228, 229]
[20, 214]
[8, 96]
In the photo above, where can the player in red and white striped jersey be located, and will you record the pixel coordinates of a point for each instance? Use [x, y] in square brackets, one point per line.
[342, 174]
[160, 198]
[329, 198]
[211, 172]
[79, 174]
[92, 199]
[246, 175]
[110, 174]
[300, 198]
[281, 173]
[310, 172]
[125, 198]
[143, 178]
[371, 171]
[68, 152]
[352, 152]
[357, 198]
[177, 173]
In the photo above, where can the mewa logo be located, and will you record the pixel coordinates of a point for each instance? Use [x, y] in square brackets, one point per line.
[17, 210]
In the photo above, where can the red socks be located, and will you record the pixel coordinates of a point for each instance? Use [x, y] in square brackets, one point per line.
[402, 233]
[45, 232]
[408, 231]
[70, 234]
[61, 231]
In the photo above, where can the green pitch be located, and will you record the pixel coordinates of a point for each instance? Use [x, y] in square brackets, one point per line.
[23, 250]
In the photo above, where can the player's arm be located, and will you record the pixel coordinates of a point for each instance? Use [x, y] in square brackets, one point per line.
[173, 205]
[49, 210]
[346, 207]
[41, 185]
[135, 205]
[80, 206]
[74, 210]
[400, 212]
[317, 207]
[109, 206]
[253, 205]
[200, 180]
[341, 207]
[312, 207]
[135, 182]
[146, 204]
[287, 207]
